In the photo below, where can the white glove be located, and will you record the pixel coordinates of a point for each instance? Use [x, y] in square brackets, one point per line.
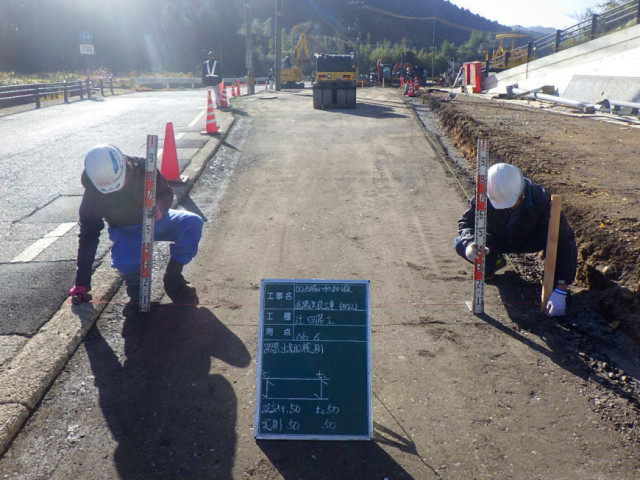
[472, 251]
[557, 303]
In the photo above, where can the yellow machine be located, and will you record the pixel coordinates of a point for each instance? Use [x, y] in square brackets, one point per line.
[290, 70]
[506, 55]
[335, 83]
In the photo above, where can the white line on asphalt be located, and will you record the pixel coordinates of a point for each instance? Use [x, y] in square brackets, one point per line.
[46, 241]
[197, 119]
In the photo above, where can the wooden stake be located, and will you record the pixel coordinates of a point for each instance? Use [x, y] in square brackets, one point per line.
[551, 251]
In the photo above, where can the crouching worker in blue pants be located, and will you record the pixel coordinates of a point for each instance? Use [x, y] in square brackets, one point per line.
[114, 191]
[517, 222]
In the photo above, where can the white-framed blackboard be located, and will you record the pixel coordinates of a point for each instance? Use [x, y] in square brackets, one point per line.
[314, 360]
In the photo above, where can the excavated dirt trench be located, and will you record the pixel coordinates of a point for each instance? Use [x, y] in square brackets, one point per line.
[589, 161]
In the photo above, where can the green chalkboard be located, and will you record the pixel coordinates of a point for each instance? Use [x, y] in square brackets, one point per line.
[314, 360]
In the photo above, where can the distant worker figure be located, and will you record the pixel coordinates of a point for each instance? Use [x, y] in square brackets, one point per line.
[272, 78]
[517, 222]
[114, 191]
[212, 76]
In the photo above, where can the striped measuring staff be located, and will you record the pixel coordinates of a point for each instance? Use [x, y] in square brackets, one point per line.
[148, 222]
[480, 234]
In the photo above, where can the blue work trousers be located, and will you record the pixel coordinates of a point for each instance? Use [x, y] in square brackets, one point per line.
[180, 227]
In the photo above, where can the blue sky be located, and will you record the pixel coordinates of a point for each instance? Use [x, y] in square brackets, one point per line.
[557, 14]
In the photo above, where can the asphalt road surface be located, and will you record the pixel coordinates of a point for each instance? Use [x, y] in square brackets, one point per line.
[41, 160]
[303, 193]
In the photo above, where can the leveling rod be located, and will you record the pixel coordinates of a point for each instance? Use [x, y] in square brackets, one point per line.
[480, 234]
[148, 222]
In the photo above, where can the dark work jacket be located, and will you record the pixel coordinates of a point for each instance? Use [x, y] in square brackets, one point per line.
[526, 231]
[120, 209]
[209, 80]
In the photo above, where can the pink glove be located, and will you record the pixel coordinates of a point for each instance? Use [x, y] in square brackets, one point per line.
[79, 294]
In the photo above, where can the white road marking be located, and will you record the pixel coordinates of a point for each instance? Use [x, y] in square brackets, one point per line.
[197, 119]
[45, 242]
[49, 239]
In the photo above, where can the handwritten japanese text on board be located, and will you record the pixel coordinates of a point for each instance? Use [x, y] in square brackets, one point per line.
[314, 363]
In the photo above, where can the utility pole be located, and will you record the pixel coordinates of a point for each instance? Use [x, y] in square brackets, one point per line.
[251, 88]
[278, 45]
[358, 5]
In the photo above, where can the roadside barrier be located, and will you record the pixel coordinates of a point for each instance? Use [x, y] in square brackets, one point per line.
[13, 95]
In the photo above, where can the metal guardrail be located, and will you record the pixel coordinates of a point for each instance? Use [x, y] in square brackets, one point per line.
[621, 16]
[12, 95]
[193, 82]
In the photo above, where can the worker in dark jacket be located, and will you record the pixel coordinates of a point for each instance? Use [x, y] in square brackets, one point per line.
[114, 191]
[212, 76]
[517, 222]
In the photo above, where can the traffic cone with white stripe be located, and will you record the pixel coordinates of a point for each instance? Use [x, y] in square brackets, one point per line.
[402, 85]
[224, 102]
[233, 91]
[410, 87]
[170, 169]
[238, 89]
[212, 125]
[416, 85]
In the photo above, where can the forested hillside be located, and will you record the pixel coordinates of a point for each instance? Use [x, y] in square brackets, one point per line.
[163, 35]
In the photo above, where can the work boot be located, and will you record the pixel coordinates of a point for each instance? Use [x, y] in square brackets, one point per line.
[177, 288]
[501, 262]
[132, 283]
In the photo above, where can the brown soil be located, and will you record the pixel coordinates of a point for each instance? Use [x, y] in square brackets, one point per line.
[590, 161]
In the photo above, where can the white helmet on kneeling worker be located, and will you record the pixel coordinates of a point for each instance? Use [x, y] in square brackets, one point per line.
[106, 167]
[504, 185]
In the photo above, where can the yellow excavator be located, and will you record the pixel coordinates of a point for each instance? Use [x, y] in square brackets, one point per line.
[507, 55]
[290, 70]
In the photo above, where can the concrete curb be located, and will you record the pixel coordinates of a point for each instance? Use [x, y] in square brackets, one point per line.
[25, 378]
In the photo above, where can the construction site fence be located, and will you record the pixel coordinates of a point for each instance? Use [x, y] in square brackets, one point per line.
[13, 95]
[617, 18]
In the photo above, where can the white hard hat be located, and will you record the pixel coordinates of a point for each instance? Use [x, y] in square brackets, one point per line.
[504, 185]
[106, 168]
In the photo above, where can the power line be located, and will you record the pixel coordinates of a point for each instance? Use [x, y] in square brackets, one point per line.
[424, 19]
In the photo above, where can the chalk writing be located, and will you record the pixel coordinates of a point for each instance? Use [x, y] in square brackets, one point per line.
[313, 360]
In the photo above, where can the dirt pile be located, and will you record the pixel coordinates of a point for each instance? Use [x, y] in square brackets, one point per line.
[590, 161]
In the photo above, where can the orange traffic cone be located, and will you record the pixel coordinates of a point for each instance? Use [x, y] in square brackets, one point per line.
[224, 103]
[233, 92]
[212, 125]
[170, 169]
[238, 89]
[402, 85]
[416, 85]
[410, 88]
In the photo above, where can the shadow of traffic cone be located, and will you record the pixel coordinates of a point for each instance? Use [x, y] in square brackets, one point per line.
[212, 125]
[170, 169]
[224, 103]
[238, 89]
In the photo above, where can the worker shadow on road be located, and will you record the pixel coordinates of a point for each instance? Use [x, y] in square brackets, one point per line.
[321, 460]
[576, 348]
[171, 417]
